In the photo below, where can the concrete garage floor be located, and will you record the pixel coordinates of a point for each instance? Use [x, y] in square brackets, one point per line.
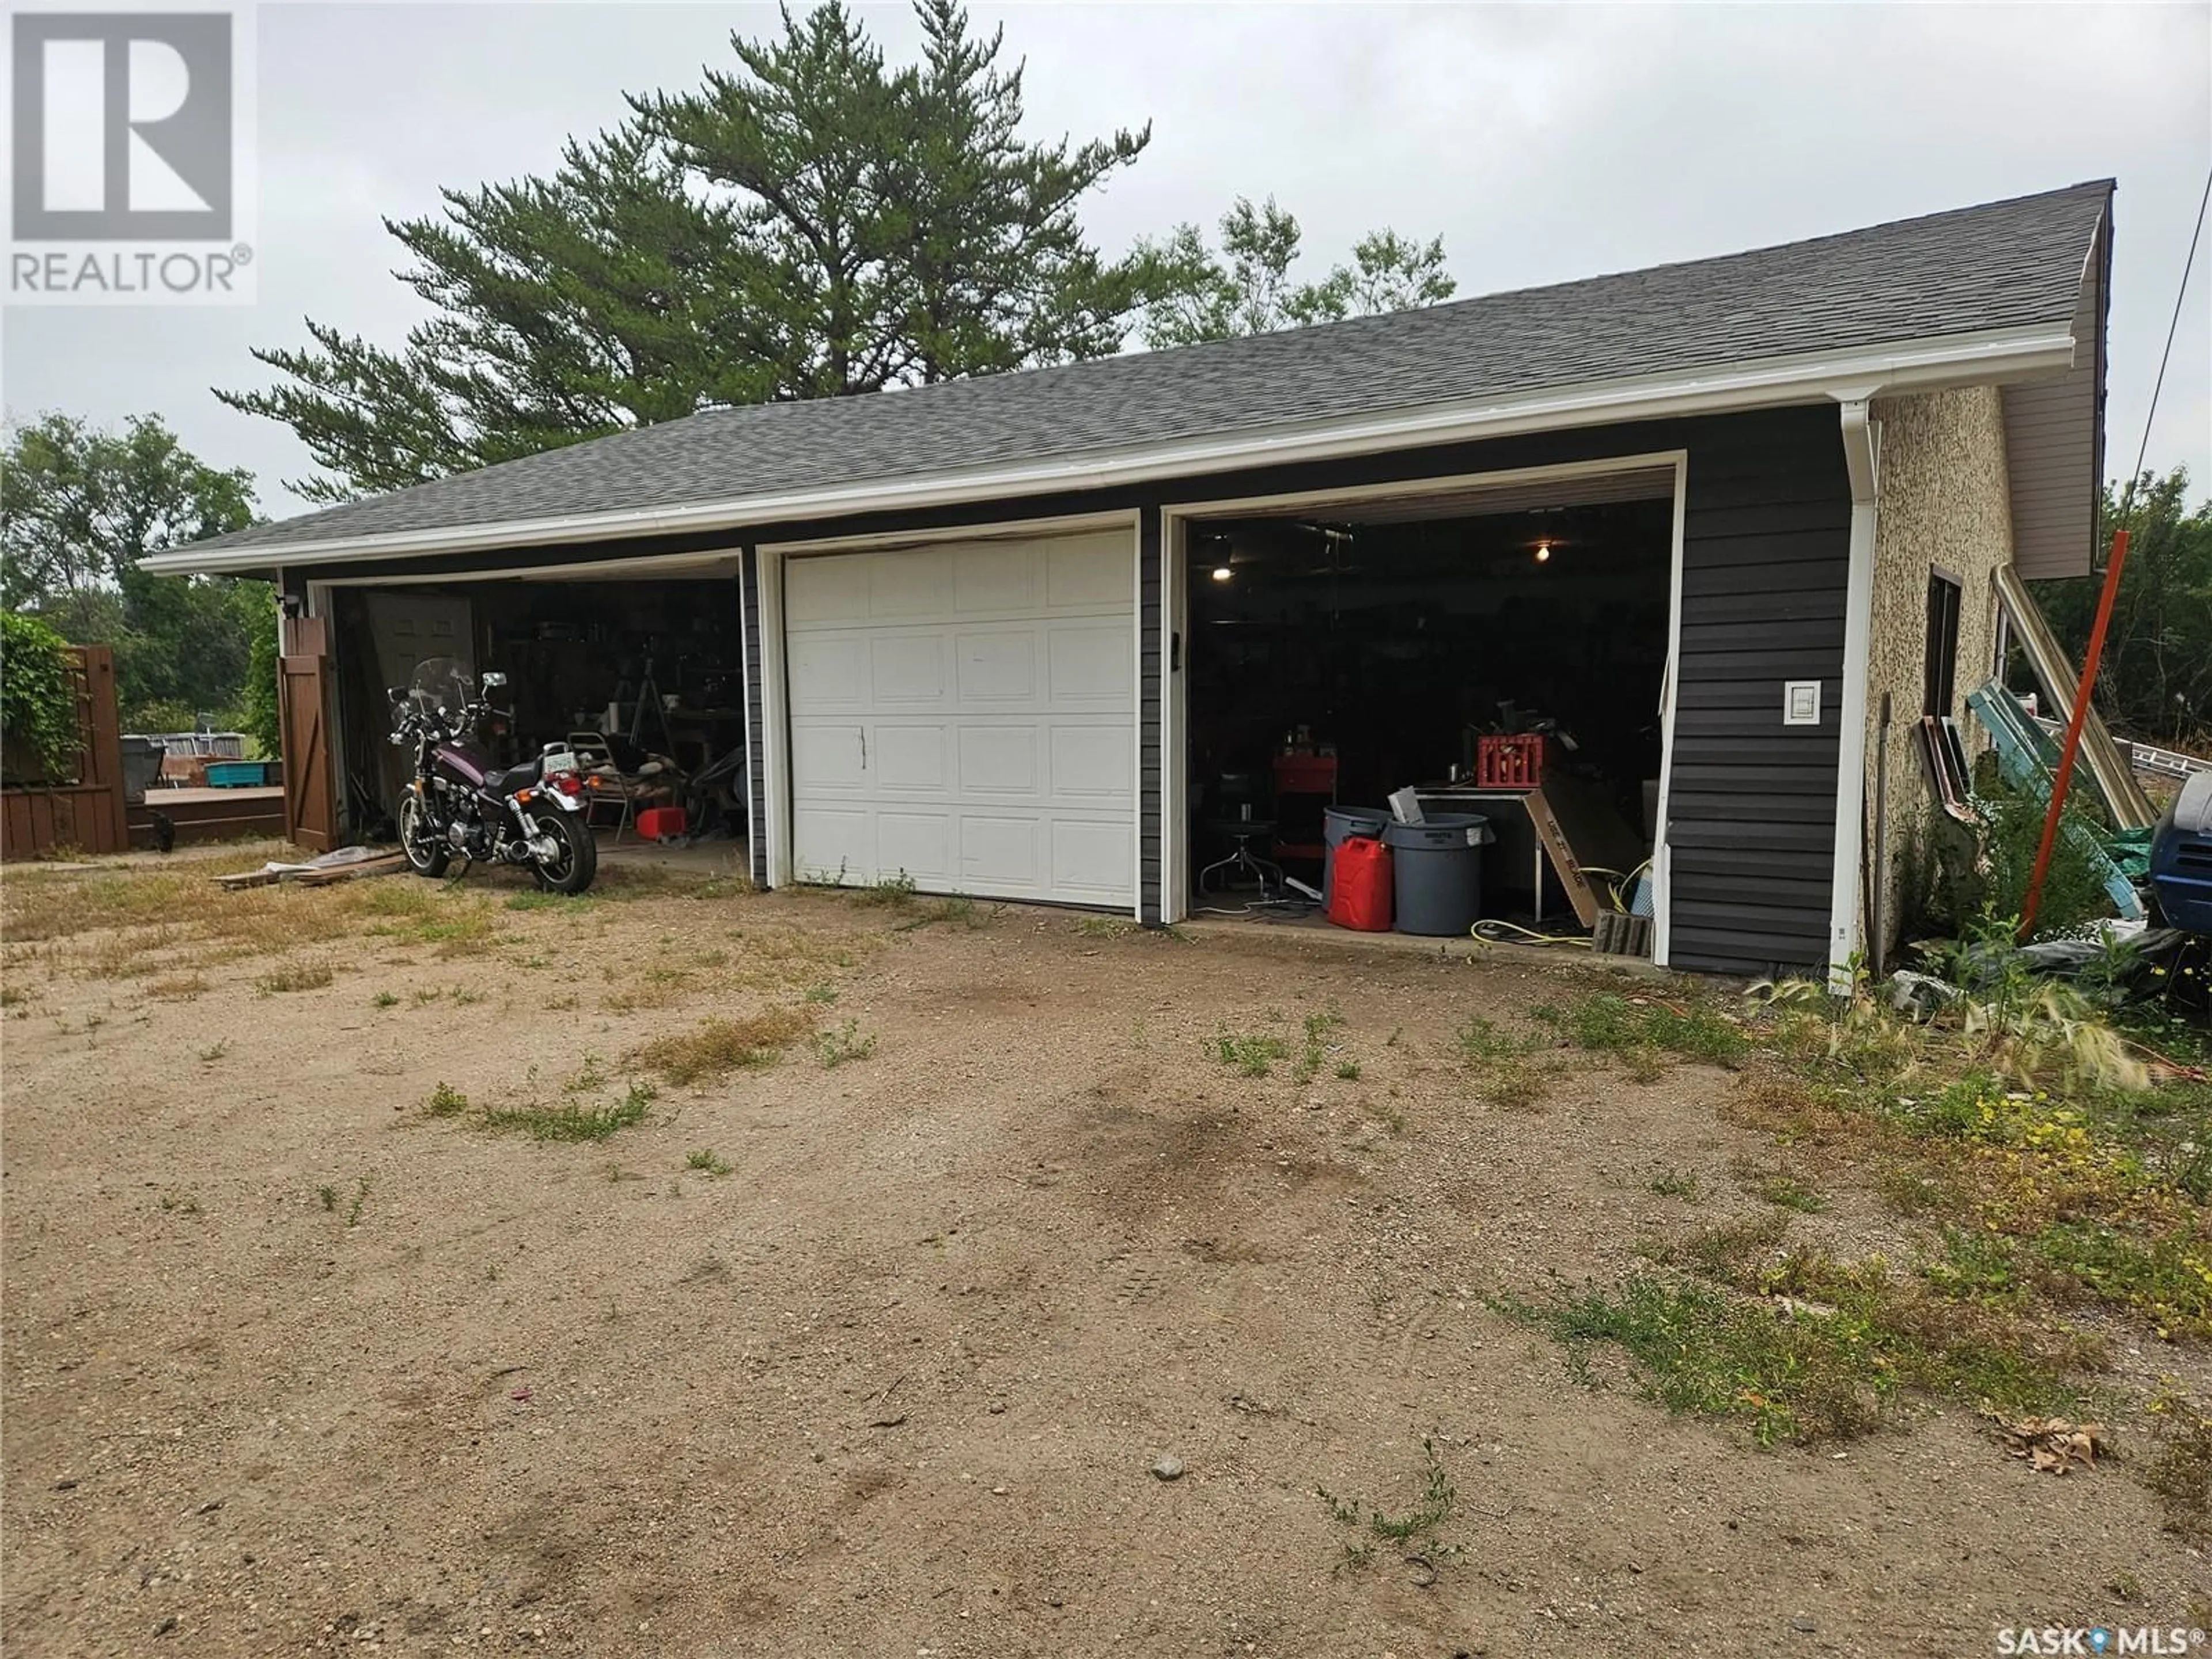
[877, 1358]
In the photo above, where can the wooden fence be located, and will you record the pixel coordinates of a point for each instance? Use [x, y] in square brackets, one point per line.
[83, 810]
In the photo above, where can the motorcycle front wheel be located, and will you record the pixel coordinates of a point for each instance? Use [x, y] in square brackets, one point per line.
[576, 859]
[426, 849]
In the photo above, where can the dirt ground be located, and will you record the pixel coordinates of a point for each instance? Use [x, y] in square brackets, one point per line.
[292, 1366]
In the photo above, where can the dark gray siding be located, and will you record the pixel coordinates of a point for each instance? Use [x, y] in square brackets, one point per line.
[757, 816]
[1766, 545]
[1150, 734]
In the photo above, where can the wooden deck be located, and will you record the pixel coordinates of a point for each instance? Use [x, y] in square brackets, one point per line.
[202, 815]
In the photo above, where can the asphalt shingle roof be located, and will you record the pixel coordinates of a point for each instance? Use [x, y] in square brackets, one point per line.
[2003, 264]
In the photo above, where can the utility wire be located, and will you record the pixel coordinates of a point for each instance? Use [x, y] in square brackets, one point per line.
[2188, 263]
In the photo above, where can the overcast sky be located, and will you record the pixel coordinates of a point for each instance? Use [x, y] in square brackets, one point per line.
[1541, 144]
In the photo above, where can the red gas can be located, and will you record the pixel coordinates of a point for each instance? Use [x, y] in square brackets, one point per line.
[1359, 896]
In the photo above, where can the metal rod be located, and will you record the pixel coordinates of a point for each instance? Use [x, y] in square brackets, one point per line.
[2072, 748]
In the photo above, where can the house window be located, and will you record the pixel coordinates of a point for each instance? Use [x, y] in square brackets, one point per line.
[1942, 643]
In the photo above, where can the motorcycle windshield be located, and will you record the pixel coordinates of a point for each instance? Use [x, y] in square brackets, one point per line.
[442, 689]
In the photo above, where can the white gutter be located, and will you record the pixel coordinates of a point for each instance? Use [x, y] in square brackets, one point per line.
[1928, 365]
[1861, 460]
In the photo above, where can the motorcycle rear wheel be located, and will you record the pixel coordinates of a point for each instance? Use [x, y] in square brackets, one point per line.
[579, 860]
[426, 851]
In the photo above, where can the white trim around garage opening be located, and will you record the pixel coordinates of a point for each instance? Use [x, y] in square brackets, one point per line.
[1175, 901]
[775, 711]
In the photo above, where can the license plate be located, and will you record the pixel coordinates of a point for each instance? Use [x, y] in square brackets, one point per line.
[558, 760]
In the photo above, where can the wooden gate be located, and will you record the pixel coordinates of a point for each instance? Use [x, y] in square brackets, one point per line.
[303, 704]
[82, 809]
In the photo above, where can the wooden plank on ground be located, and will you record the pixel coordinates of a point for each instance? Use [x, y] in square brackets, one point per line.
[391, 864]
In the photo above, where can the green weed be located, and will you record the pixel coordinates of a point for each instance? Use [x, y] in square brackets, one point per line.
[835, 1048]
[706, 1163]
[1421, 1524]
[572, 1120]
[1253, 1054]
[446, 1101]
[1608, 1022]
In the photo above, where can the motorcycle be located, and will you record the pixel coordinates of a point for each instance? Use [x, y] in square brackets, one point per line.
[462, 804]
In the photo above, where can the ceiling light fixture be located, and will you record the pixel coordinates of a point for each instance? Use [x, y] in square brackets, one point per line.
[1221, 573]
[1543, 552]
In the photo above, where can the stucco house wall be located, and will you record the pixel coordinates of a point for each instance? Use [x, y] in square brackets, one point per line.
[1944, 505]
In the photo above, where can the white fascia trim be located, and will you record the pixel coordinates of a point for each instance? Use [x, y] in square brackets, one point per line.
[1861, 457]
[2000, 354]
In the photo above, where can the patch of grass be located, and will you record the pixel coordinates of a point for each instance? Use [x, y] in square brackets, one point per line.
[893, 892]
[1254, 1054]
[1786, 1192]
[959, 911]
[1738, 1249]
[571, 1120]
[359, 1199]
[539, 899]
[1671, 1183]
[1105, 928]
[309, 975]
[657, 987]
[1481, 1042]
[821, 992]
[176, 987]
[1608, 1022]
[1704, 1352]
[717, 1047]
[706, 1163]
[1314, 1054]
[446, 1101]
[835, 1048]
[329, 1194]
[215, 1051]
[1349, 1071]
[1508, 1078]
[2179, 1470]
[180, 1204]
[386, 1000]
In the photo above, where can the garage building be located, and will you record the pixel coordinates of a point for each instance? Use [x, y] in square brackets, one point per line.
[1054, 636]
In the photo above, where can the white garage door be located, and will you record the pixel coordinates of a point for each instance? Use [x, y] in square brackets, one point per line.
[966, 716]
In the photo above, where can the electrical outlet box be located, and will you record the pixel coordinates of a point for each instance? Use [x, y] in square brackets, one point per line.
[1800, 702]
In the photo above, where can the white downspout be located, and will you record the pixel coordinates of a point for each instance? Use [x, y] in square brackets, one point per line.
[1861, 456]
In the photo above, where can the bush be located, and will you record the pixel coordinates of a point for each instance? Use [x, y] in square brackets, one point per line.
[37, 700]
[1951, 880]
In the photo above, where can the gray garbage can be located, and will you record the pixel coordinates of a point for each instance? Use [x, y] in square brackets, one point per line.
[1340, 824]
[1438, 866]
[142, 766]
